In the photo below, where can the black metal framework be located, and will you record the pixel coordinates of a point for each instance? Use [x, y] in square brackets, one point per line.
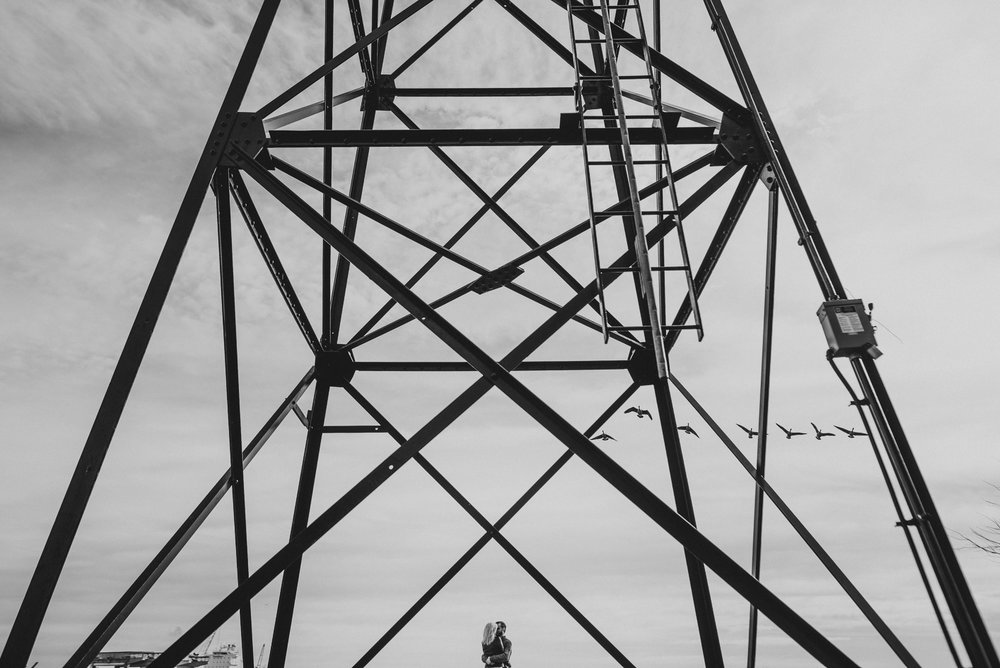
[245, 143]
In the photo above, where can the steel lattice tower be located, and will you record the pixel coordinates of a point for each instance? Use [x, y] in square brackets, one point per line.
[633, 230]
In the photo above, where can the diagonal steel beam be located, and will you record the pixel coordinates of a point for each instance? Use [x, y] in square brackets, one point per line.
[378, 49]
[697, 577]
[358, 25]
[492, 531]
[109, 625]
[423, 241]
[504, 217]
[464, 290]
[372, 214]
[831, 566]
[669, 520]
[267, 251]
[931, 530]
[767, 135]
[858, 404]
[28, 621]
[434, 39]
[688, 206]
[688, 80]
[350, 224]
[455, 238]
[364, 488]
[340, 58]
[732, 215]
[542, 34]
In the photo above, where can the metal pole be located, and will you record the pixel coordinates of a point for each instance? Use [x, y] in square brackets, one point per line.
[863, 605]
[326, 323]
[701, 595]
[968, 621]
[765, 390]
[233, 404]
[767, 134]
[24, 631]
[660, 248]
[300, 518]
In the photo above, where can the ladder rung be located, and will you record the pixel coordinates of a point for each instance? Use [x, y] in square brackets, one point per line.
[659, 212]
[622, 77]
[613, 40]
[629, 117]
[632, 270]
[353, 429]
[642, 328]
[592, 8]
[623, 162]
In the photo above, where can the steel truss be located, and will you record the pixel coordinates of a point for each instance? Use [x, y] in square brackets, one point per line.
[241, 144]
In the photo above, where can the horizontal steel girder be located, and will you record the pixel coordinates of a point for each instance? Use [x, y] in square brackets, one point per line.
[484, 137]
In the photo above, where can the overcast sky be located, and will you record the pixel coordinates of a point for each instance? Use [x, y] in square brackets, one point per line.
[104, 109]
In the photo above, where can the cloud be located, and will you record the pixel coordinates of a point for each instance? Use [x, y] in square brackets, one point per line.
[109, 103]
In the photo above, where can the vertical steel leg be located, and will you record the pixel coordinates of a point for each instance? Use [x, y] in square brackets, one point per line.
[701, 595]
[765, 390]
[324, 335]
[300, 518]
[343, 267]
[957, 594]
[29, 618]
[221, 183]
[795, 199]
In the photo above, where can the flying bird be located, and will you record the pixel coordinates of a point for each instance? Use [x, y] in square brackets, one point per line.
[750, 432]
[688, 430]
[789, 433]
[851, 433]
[639, 411]
[603, 437]
[820, 434]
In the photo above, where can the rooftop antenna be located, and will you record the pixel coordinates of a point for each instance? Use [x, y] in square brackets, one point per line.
[260, 658]
[209, 643]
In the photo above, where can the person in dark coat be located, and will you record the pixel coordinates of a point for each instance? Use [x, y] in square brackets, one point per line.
[497, 652]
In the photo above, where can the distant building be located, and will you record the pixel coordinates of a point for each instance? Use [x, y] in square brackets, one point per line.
[224, 657]
[123, 659]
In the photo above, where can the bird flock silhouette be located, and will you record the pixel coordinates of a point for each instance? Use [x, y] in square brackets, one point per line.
[641, 413]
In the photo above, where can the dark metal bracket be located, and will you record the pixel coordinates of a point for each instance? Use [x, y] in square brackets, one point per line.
[496, 279]
[247, 133]
[739, 142]
[335, 367]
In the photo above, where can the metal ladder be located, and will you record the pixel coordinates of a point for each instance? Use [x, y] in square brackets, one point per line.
[589, 107]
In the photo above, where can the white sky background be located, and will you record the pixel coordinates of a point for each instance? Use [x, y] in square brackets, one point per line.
[103, 112]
